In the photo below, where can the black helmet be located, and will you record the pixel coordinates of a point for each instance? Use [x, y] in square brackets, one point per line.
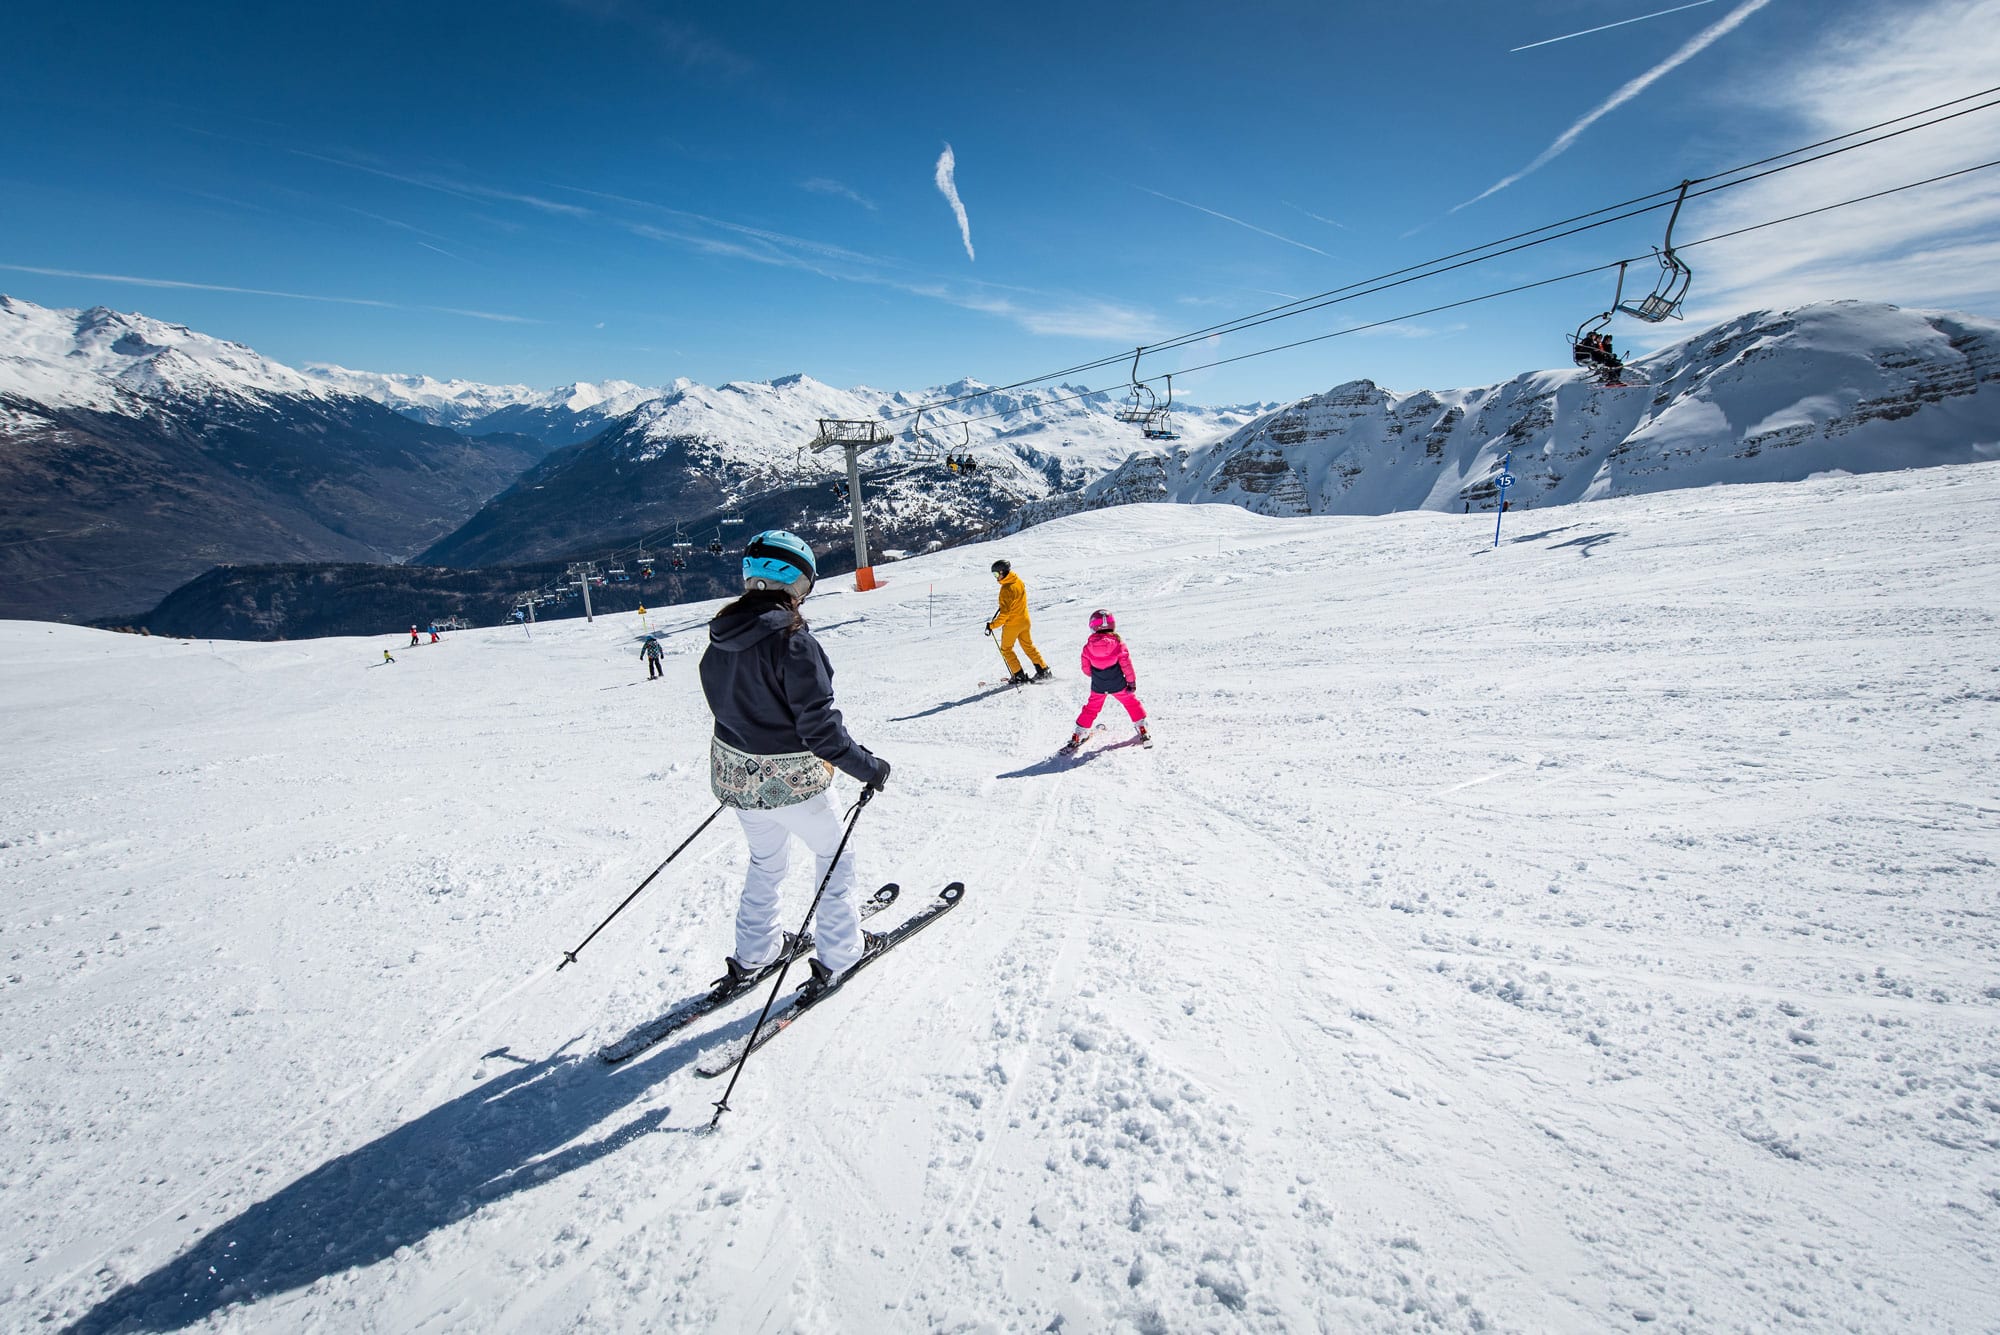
[1001, 567]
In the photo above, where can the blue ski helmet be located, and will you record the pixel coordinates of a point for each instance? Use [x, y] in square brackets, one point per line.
[776, 559]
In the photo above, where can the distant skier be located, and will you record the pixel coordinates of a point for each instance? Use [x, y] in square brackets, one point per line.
[1010, 618]
[778, 739]
[387, 657]
[1107, 661]
[434, 632]
[650, 651]
[413, 637]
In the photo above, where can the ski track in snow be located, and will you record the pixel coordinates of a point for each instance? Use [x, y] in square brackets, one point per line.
[1556, 938]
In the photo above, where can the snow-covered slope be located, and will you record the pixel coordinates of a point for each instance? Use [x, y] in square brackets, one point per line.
[560, 416]
[698, 453]
[1590, 934]
[758, 428]
[1770, 396]
[108, 360]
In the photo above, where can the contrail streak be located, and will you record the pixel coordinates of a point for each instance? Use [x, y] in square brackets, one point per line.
[1694, 47]
[1238, 221]
[1658, 13]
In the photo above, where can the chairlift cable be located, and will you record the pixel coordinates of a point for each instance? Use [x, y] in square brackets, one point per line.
[1544, 282]
[1348, 291]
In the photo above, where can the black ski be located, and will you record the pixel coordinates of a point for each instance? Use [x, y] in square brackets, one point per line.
[724, 1058]
[687, 1012]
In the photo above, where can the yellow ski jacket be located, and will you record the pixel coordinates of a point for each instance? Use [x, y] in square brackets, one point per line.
[1013, 609]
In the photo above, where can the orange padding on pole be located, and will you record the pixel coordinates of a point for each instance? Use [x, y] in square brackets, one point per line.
[864, 579]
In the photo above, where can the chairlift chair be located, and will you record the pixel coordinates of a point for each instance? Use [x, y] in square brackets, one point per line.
[1140, 403]
[1159, 424]
[1671, 288]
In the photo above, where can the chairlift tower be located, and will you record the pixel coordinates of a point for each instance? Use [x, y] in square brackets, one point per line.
[853, 437]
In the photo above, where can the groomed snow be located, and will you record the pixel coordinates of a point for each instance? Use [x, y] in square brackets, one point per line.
[1595, 933]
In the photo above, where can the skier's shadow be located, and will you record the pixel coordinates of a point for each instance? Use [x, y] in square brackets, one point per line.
[1587, 544]
[508, 1134]
[972, 699]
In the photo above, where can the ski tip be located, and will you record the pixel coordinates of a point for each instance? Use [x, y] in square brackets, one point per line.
[952, 893]
[886, 895]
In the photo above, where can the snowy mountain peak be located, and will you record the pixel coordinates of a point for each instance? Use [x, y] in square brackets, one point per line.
[105, 359]
[1768, 396]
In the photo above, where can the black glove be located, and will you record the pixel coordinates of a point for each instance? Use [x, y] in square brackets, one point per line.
[881, 775]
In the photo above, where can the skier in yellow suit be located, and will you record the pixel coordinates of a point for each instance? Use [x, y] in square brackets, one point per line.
[1011, 620]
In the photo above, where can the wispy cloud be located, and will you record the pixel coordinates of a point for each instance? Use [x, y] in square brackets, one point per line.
[1050, 314]
[947, 184]
[184, 285]
[1238, 221]
[687, 45]
[1938, 246]
[1607, 27]
[820, 185]
[446, 185]
[1316, 217]
[1693, 47]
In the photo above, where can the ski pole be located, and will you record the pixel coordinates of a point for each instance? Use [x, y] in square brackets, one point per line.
[998, 650]
[569, 956]
[853, 816]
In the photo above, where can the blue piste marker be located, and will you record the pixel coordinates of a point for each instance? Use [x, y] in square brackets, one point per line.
[1504, 481]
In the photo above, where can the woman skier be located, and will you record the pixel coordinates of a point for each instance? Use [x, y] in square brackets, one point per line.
[1107, 661]
[778, 739]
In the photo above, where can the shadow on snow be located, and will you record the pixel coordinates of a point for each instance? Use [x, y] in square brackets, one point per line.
[509, 1134]
[974, 698]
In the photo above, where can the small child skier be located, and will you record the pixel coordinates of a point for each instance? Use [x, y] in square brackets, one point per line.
[1107, 661]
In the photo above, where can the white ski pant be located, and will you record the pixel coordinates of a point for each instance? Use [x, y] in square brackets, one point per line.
[837, 922]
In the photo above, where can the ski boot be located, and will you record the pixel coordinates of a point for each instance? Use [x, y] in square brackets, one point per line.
[1019, 678]
[1145, 735]
[824, 980]
[1076, 739]
[1042, 673]
[737, 975]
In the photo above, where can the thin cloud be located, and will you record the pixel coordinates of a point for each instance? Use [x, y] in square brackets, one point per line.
[820, 185]
[1607, 27]
[1694, 47]
[446, 185]
[1238, 221]
[1935, 246]
[947, 184]
[183, 285]
[1317, 218]
[688, 45]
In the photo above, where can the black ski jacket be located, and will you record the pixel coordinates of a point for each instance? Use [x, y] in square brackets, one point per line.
[772, 693]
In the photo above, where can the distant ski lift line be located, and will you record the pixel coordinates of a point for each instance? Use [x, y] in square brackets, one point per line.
[1328, 297]
[1656, 14]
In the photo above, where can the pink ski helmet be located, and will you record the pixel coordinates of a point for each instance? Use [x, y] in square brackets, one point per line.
[1103, 620]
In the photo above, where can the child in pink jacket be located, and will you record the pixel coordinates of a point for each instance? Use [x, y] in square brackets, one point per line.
[1107, 661]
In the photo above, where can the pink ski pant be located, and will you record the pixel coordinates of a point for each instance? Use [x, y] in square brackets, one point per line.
[1095, 703]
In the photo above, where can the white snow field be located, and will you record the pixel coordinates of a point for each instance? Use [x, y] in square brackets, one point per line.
[1594, 933]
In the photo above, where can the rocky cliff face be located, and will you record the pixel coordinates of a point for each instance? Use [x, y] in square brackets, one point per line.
[1772, 396]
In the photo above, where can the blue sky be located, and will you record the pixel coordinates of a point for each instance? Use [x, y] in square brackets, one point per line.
[553, 190]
